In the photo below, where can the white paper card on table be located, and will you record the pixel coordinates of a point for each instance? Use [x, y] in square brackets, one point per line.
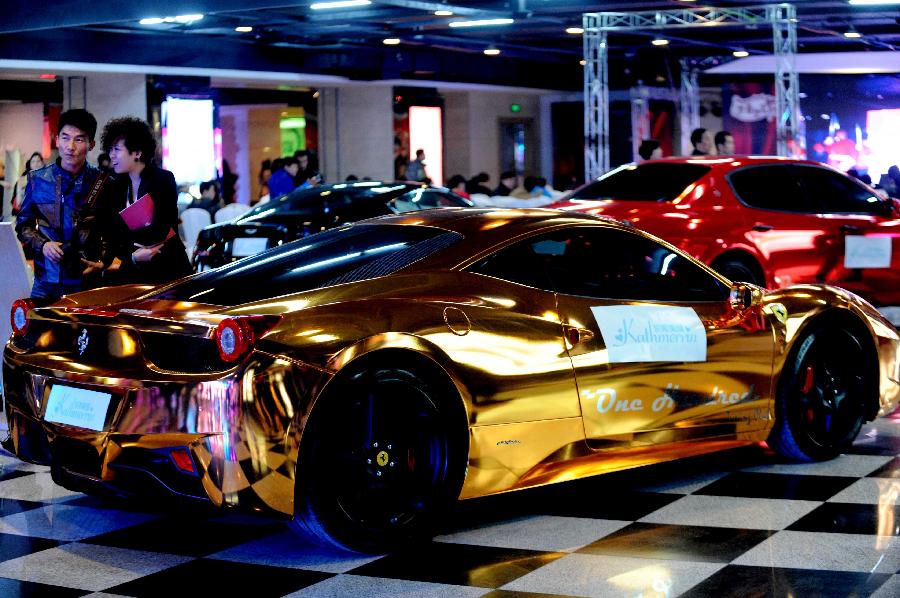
[640, 333]
[867, 252]
[77, 407]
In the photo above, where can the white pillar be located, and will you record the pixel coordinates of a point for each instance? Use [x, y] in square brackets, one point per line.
[107, 96]
[235, 148]
[457, 125]
[356, 132]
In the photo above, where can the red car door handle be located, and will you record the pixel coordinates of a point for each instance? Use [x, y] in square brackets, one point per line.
[849, 228]
[762, 227]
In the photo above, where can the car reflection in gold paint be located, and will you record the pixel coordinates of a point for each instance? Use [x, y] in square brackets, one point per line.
[358, 380]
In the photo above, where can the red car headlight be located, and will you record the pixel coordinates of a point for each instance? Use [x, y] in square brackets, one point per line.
[18, 316]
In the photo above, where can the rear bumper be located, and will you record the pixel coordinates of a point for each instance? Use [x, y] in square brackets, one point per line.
[230, 441]
[112, 464]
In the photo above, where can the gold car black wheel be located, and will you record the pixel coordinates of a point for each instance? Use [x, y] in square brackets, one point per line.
[821, 395]
[375, 462]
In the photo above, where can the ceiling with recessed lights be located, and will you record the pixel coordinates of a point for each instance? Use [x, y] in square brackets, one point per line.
[410, 39]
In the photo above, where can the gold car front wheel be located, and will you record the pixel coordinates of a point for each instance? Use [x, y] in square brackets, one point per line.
[822, 394]
[375, 462]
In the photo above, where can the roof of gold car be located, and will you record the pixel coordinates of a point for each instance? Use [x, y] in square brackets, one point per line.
[485, 228]
[469, 220]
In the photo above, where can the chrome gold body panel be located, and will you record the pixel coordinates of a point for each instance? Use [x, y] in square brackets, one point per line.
[530, 367]
[791, 310]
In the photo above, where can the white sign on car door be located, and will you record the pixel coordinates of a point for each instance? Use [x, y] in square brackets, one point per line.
[636, 333]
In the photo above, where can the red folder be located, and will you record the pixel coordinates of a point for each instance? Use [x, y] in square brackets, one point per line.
[139, 214]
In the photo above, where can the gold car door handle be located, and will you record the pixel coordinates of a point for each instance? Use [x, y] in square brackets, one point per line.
[575, 335]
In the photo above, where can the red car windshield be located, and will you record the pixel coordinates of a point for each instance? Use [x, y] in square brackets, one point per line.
[657, 181]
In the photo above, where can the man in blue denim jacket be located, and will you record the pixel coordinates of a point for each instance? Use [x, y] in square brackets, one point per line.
[59, 209]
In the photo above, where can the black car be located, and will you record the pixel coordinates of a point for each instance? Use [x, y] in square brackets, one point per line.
[307, 211]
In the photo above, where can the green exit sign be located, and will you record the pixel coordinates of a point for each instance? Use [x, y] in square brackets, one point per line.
[515, 108]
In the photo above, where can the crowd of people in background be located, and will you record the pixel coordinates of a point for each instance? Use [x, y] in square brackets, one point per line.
[283, 175]
[531, 187]
[702, 141]
[77, 221]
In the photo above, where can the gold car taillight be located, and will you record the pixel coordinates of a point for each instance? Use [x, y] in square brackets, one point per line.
[236, 336]
[18, 316]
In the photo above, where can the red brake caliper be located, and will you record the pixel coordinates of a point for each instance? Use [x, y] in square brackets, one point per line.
[807, 386]
[808, 381]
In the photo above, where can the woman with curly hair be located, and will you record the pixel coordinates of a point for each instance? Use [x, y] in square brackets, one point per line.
[151, 253]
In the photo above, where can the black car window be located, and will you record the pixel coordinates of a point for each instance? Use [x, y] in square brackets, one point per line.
[838, 194]
[329, 198]
[306, 201]
[516, 263]
[423, 199]
[346, 208]
[332, 257]
[776, 187]
[439, 199]
[643, 182]
[603, 263]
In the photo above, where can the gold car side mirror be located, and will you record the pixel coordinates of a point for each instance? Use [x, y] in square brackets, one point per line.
[744, 295]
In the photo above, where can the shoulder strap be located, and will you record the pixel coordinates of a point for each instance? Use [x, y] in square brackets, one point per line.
[95, 190]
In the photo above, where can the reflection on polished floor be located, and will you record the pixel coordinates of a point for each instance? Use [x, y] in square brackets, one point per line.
[734, 524]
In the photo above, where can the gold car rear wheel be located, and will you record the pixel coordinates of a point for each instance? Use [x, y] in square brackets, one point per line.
[375, 462]
[821, 395]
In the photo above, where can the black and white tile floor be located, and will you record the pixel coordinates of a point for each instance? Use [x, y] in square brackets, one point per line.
[738, 523]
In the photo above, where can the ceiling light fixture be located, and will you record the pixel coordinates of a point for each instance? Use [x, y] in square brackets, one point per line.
[481, 23]
[339, 4]
[491, 51]
[582, 62]
[740, 53]
[660, 41]
[443, 13]
[243, 29]
[874, 2]
[574, 30]
[391, 41]
[852, 34]
[180, 19]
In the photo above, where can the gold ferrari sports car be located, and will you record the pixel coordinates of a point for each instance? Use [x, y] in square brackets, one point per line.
[356, 381]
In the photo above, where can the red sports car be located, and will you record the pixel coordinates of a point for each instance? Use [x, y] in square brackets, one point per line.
[765, 220]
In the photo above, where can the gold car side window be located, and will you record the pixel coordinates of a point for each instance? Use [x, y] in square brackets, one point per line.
[603, 263]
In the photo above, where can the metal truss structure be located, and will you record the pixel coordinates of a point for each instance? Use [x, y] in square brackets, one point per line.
[597, 26]
[688, 104]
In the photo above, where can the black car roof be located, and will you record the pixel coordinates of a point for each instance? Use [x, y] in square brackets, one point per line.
[361, 192]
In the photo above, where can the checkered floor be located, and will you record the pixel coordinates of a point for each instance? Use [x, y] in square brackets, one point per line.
[734, 524]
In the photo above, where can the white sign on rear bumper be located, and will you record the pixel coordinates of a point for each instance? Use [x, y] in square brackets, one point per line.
[77, 407]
